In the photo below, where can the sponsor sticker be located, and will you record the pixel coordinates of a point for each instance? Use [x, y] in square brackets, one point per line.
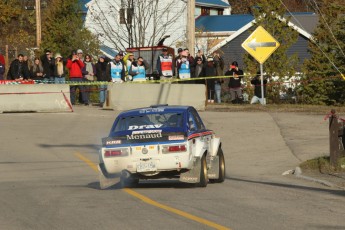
[134, 127]
[146, 131]
[113, 142]
[151, 110]
[176, 138]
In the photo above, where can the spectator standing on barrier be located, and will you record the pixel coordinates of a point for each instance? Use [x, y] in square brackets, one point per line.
[75, 66]
[191, 63]
[89, 72]
[183, 66]
[219, 66]
[101, 73]
[60, 71]
[199, 71]
[18, 69]
[235, 84]
[36, 71]
[177, 61]
[138, 69]
[48, 64]
[128, 60]
[201, 55]
[116, 70]
[210, 72]
[165, 65]
[256, 82]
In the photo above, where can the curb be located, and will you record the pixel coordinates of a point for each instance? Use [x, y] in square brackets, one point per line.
[298, 174]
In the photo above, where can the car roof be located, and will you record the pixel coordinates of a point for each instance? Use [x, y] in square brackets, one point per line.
[155, 109]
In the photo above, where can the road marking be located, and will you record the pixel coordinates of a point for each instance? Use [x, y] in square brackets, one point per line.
[155, 203]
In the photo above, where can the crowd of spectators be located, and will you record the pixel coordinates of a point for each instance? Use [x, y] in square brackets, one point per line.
[50, 68]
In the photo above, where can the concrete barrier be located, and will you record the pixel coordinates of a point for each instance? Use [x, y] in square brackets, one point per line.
[129, 96]
[35, 98]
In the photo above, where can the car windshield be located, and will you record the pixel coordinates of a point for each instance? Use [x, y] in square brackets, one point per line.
[149, 121]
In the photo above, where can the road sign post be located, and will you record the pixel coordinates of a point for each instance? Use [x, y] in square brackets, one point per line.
[260, 45]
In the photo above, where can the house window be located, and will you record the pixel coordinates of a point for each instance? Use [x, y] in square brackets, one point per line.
[197, 11]
[205, 11]
[220, 12]
[213, 12]
[122, 16]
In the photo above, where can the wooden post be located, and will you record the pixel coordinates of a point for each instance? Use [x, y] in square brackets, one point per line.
[191, 26]
[38, 23]
[334, 144]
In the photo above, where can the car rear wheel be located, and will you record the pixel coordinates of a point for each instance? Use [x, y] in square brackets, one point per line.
[128, 182]
[203, 173]
[221, 177]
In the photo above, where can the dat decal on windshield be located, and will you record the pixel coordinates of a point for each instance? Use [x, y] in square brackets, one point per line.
[151, 110]
[134, 127]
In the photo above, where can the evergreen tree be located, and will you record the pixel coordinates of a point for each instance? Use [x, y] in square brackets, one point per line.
[270, 14]
[323, 83]
[17, 25]
[63, 31]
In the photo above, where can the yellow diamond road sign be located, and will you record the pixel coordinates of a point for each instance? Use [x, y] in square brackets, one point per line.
[260, 44]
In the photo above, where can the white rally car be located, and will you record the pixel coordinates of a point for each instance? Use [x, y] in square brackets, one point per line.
[161, 142]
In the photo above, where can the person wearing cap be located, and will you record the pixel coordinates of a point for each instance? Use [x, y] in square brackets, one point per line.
[80, 54]
[48, 64]
[183, 66]
[116, 70]
[165, 65]
[235, 84]
[60, 71]
[101, 74]
[75, 66]
[138, 69]
[199, 71]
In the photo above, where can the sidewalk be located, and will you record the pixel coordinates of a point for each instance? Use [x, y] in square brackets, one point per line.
[264, 145]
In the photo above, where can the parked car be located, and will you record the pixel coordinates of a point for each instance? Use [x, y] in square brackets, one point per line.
[161, 141]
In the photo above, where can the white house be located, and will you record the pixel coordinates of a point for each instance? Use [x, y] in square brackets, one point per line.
[148, 21]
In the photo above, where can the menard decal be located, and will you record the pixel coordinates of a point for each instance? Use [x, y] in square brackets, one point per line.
[144, 136]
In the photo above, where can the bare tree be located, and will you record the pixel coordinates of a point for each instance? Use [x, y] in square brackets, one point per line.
[134, 23]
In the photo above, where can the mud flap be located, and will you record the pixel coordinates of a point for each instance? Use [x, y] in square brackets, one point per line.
[106, 180]
[193, 175]
[213, 171]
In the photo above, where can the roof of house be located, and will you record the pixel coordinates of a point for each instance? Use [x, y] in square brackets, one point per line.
[108, 51]
[83, 5]
[212, 3]
[303, 24]
[227, 23]
[222, 23]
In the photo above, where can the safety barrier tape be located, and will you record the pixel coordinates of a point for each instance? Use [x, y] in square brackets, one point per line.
[172, 80]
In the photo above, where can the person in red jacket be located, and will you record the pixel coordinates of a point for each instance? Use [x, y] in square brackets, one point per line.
[75, 66]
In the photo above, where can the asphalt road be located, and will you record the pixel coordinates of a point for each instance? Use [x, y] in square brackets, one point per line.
[48, 178]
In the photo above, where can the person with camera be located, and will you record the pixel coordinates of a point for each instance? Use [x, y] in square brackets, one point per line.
[256, 82]
[138, 69]
[75, 66]
[235, 82]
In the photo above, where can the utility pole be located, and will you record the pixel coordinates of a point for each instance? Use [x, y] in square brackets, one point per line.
[38, 23]
[191, 26]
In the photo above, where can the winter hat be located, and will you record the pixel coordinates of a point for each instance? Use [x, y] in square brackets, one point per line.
[58, 55]
[79, 51]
